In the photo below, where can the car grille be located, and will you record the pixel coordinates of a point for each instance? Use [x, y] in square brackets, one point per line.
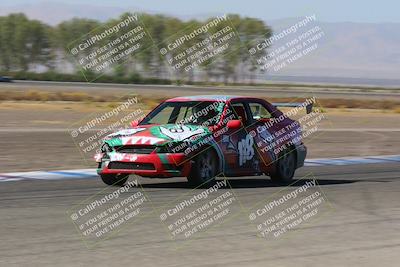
[117, 165]
[132, 149]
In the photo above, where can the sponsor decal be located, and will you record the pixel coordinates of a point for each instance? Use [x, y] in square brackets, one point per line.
[245, 149]
[180, 132]
[125, 132]
[122, 157]
[141, 140]
[227, 139]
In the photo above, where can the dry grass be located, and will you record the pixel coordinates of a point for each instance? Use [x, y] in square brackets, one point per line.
[44, 96]
[396, 109]
[34, 95]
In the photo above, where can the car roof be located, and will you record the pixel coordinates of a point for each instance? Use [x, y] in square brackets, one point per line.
[222, 98]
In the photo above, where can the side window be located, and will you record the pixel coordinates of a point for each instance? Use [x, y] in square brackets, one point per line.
[240, 112]
[258, 111]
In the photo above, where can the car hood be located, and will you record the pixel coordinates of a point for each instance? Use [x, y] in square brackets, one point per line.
[156, 134]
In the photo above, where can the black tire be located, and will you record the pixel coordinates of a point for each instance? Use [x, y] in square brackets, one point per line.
[285, 167]
[114, 179]
[204, 169]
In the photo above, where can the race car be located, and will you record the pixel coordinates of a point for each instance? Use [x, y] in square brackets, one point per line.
[202, 137]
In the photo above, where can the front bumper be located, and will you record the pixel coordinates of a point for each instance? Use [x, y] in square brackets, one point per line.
[148, 165]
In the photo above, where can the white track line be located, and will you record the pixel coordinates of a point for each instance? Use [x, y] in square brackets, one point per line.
[91, 173]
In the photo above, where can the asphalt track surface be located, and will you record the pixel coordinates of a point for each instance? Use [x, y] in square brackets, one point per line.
[361, 227]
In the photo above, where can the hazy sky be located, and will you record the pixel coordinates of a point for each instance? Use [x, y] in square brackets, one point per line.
[326, 10]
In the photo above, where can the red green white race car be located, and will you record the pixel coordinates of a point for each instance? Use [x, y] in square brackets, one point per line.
[201, 137]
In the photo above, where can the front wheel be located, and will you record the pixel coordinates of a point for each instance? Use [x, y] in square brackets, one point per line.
[285, 168]
[204, 169]
[114, 179]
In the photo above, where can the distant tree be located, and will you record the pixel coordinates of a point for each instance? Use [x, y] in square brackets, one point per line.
[251, 31]
[68, 33]
[25, 44]
[40, 50]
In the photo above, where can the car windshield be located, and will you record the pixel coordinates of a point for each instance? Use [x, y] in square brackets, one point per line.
[206, 113]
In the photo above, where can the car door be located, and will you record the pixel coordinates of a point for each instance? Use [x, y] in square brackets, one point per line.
[263, 131]
[238, 145]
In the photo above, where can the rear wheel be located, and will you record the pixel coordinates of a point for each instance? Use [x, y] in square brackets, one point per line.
[114, 179]
[285, 168]
[204, 169]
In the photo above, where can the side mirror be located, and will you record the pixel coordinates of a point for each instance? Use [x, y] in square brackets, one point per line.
[234, 124]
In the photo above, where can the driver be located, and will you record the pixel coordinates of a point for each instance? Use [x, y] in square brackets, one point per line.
[206, 114]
